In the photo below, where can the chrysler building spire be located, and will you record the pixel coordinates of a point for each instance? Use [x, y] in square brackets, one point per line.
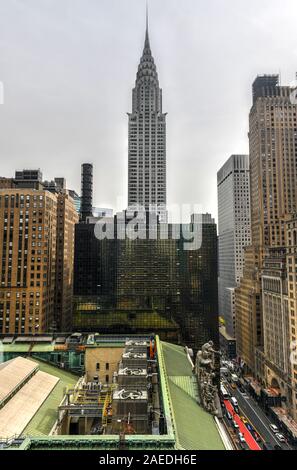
[147, 39]
[147, 137]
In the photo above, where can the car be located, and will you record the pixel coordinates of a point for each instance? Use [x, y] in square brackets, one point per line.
[235, 425]
[243, 419]
[256, 436]
[280, 437]
[249, 427]
[273, 428]
[229, 416]
[241, 437]
[233, 385]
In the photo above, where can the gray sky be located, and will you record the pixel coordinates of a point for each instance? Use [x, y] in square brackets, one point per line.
[68, 68]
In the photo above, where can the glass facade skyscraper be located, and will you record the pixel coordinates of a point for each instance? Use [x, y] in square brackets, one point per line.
[148, 285]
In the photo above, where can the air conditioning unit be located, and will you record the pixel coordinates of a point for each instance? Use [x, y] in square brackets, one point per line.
[135, 376]
[133, 342]
[132, 404]
[133, 359]
[127, 394]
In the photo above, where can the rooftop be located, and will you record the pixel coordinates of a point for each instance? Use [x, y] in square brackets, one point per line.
[43, 421]
[188, 425]
[12, 374]
[195, 429]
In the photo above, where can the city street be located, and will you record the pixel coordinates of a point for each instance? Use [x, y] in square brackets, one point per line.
[256, 416]
[250, 441]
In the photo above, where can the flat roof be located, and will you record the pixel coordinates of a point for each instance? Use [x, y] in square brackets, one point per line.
[34, 339]
[26, 347]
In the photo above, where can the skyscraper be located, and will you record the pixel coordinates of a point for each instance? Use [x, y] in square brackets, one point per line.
[233, 182]
[147, 138]
[144, 285]
[273, 175]
[147, 283]
[36, 249]
[28, 222]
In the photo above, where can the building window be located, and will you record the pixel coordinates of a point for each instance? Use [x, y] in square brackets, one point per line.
[98, 366]
[107, 366]
[107, 379]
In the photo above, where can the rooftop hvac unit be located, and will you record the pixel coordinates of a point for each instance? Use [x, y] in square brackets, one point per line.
[132, 404]
[133, 359]
[132, 377]
[140, 346]
[136, 349]
[126, 394]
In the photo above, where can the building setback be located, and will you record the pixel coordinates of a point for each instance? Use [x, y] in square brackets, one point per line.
[147, 138]
[265, 318]
[233, 185]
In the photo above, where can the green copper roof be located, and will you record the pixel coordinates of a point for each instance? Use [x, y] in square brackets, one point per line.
[45, 418]
[25, 347]
[189, 427]
[195, 429]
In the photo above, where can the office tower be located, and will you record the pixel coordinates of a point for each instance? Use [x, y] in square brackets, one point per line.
[233, 185]
[144, 285]
[76, 199]
[28, 179]
[28, 221]
[276, 332]
[280, 317]
[147, 139]
[86, 191]
[291, 332]
[37, 251]
[60, 183]
[67, 217]
[273, 188]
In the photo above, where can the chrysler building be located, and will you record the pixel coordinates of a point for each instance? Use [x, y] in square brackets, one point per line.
[147, 138]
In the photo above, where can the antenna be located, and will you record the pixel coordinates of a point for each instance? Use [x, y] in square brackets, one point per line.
[147, 15]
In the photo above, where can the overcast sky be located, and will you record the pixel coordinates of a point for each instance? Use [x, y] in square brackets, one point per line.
[68, 68]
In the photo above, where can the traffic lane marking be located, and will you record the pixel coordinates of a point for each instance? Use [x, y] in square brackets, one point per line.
[263, 423]
[284, 445]
[251, 442]
[254, 412]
